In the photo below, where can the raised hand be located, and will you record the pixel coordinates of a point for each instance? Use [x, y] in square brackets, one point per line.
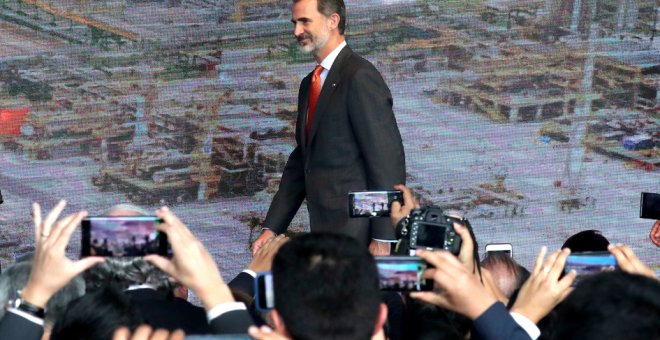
[51, 269]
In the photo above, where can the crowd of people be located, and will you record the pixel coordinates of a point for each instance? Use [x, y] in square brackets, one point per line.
[326, 286]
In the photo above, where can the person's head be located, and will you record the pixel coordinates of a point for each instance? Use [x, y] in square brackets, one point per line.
[16, 277]
[122, 272]
[610, 305]
[587, 240]
[507, 273]
[326, 287]
[95, 316]
[126, 209]
[318, 25]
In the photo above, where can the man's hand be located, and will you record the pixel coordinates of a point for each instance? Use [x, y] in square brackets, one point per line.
[263, 258]
[378, 248]
[399, 211]
[629, 262]
[51, 269]
[456, 288]
[192, 265]
[264, 333]
[543, 291]
[466, 254]
[266, 235]
[144, 332]
[654, 235]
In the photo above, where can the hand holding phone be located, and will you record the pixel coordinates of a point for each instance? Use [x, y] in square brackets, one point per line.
[122, 236]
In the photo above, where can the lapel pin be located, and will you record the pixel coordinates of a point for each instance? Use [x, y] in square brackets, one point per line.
[334, 85]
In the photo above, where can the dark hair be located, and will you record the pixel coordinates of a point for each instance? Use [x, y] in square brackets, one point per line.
[610, 305]
[587, 240]
[95, 316]
[123, 272]
[328, 7]
[326, 287]
[501, 260]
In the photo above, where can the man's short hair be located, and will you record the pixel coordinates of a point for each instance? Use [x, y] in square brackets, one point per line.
[96, 315]
[508, 274]
[16, 277]
[122, 272]
[586, 240]
[326, 287]
[611, 305]
[127, 207]
[328, 7]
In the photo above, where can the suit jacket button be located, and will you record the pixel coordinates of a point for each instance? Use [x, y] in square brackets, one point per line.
[308, 171]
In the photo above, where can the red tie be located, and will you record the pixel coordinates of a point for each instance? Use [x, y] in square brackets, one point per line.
[314, 92]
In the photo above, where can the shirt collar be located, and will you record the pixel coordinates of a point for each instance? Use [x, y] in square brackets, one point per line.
[330, 59]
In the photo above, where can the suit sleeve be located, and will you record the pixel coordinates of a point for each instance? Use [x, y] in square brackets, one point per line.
[497, 323]
[243, 282]
[234, 322]
[14, 326]
[289, 196]
[377, 135]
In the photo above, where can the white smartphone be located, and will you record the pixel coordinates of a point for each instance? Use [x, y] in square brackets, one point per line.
[503, 247]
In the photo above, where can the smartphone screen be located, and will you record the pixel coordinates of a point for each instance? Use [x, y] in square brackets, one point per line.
[122, 236]
[589, 263]
[650, 206]
[402, 273]
[372, 203]
[264, 297]
[500, 247]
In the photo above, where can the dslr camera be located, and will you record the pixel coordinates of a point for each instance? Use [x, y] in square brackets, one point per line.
[430, 228]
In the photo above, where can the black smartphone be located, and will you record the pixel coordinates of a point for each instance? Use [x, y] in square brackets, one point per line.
[649, 206]
[264, 299]
[372, 203]
[124, 236]
[402, 273]
[589, 263]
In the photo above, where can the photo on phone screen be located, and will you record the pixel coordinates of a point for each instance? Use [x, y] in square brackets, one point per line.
[264, 295]
[402, 273]
[122, 236]
[649, 206]
[372, 203]
[589, 263]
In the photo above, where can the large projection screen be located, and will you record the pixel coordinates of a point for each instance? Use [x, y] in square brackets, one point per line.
[534, 119]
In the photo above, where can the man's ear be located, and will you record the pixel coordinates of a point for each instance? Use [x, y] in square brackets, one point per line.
[382, 318]
[278, 323]
[333, 21]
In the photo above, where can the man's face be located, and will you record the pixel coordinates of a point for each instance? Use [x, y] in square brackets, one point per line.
[311, 27]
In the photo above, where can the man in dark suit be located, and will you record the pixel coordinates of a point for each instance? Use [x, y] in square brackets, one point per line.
[346, 134]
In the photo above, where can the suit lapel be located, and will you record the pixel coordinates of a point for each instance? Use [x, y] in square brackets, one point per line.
[329, 85]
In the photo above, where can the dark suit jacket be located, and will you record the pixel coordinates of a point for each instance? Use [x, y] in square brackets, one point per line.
[354, 144]
[496, 323]
[16, 327]
[234, 322]
[243, 282]
[159, 311]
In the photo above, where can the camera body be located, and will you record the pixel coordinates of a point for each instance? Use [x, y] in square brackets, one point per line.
[430, 228]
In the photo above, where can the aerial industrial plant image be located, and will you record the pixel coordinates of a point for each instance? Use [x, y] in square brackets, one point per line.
[533, 119]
